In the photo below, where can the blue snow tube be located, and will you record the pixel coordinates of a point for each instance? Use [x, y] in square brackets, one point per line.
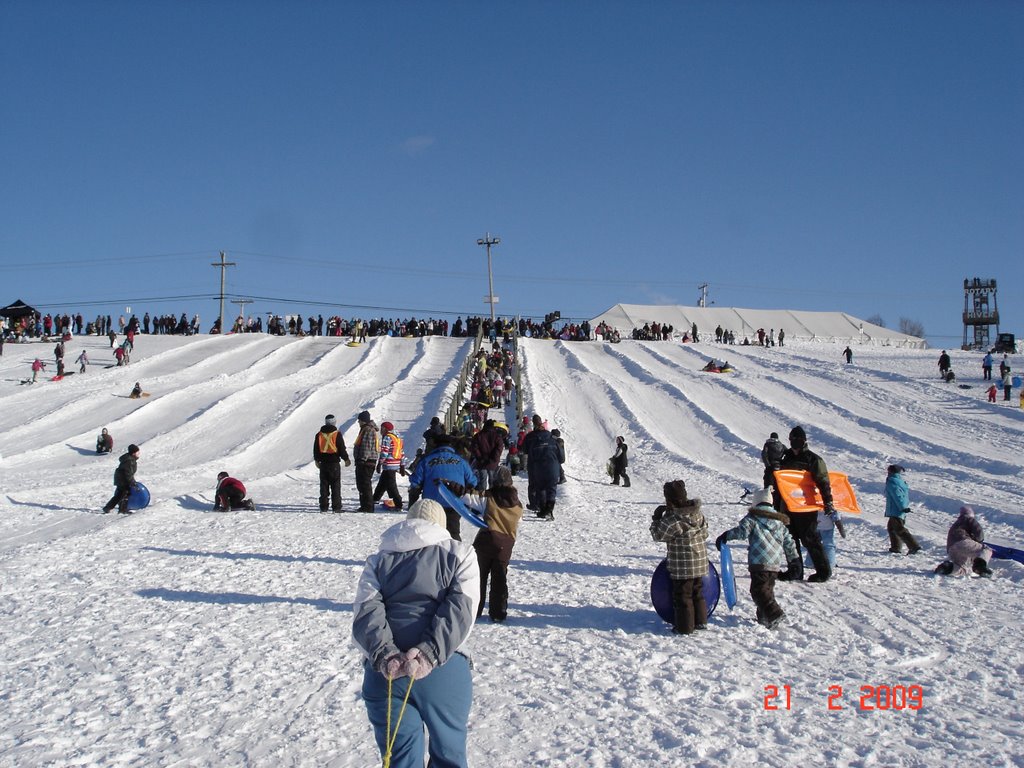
[138, 497]
[661, 591]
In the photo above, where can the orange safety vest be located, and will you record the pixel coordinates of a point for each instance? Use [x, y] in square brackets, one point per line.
[328, 442]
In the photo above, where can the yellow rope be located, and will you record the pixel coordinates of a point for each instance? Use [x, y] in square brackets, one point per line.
[390, 738]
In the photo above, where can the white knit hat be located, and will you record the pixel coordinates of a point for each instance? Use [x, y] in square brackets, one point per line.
[428, 509]
[762, 500]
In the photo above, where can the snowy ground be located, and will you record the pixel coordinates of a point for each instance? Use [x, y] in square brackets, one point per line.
[181, 637]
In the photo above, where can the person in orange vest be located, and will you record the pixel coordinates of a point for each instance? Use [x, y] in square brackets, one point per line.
[390, 461]
[328, 453]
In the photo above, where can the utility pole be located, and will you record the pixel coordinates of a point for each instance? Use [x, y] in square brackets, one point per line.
[241, 305]
[703, 300]
[223, 269]
[491, 299]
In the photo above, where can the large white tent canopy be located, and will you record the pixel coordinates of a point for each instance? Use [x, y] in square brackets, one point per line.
[808, 326]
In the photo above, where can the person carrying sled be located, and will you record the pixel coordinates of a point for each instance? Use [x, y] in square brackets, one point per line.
[771, 457]
[897, 505]
[502, 511]
[681, 525]
[944, 365]
[770, 547]
[230, 494]
[619, 462]
[965, 547]
[441, 464]
[803, 526]
[124, 481]
[414, 610]
[390, 463]
[328, 453]
[104, 442]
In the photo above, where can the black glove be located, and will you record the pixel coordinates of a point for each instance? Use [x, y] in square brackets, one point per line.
[906, 511]
[795, 571]
[659, 512]
[719, 542]
[414, 494]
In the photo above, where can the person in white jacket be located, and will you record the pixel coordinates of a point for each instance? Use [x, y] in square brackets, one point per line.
[413, 612]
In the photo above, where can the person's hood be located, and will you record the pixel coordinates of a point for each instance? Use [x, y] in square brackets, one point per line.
[412, 534]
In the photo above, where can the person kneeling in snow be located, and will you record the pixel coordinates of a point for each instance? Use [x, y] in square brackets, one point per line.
[681, 525]
[965, 547]
[770, 549]
[230, 494]
[414, 609]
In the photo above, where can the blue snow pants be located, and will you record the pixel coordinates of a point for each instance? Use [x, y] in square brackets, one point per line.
[439, 702]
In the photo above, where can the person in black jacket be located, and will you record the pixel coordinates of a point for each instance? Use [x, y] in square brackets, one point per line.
[771, 457]
[542, 469]
[124, 481]
[328, 453]
[803, 526]
[619, 462]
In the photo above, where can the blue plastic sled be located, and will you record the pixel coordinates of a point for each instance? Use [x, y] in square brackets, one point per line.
[453, 501]
[138, 498]
[1006, 553]
[728, 577]
[661, 591]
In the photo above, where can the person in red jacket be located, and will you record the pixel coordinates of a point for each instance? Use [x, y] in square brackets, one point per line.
[230, 494]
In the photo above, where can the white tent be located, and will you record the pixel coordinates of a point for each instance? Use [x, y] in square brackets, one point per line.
[808, 326]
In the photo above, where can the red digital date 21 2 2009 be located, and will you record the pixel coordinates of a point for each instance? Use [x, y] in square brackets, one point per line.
[872, 697]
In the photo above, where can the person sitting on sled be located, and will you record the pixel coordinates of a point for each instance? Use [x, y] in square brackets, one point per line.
[104, 442]
[136, 391]
[230, 494]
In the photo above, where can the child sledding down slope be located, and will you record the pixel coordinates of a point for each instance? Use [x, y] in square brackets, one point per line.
[770, 549]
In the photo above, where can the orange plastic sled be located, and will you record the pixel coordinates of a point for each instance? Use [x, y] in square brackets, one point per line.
[800, 493]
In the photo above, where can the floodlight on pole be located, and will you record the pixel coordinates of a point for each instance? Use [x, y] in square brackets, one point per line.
[487, 241]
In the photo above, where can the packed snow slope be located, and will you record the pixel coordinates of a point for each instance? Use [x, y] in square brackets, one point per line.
[182, 637]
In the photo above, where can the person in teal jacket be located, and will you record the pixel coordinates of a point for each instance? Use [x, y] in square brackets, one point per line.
[897, 505]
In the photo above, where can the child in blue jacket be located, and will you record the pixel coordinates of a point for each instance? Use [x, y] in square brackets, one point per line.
[897, 505]
[770, 549]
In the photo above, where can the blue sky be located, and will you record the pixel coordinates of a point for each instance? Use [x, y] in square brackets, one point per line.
[862, 157]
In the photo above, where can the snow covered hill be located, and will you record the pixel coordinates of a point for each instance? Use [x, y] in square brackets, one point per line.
[178, 636]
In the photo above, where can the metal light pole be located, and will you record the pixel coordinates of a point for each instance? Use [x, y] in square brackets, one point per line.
[488, 241]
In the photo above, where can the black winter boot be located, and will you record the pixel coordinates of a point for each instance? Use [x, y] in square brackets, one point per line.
[981, 568]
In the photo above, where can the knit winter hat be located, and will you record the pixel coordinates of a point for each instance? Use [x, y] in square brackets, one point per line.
[675, 493]
[966, 511]
[364, 416]
[762, 500]
[774, 435]
[329, 420]
[503, 476]
[797, 434]
[429, 510]
[894, 468]
[222, 475]
[387, 426]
